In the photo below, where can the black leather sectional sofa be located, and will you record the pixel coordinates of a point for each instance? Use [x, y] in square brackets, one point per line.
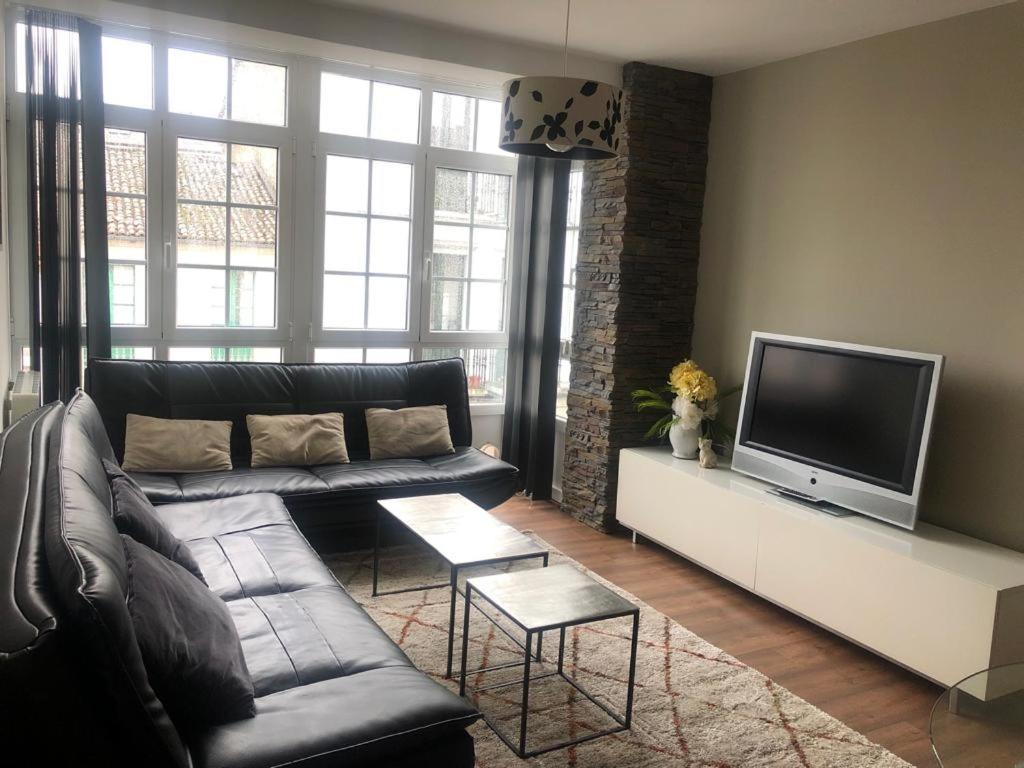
[331, 688]
[331, 504]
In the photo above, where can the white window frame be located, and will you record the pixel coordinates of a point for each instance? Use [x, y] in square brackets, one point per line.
[302, 151]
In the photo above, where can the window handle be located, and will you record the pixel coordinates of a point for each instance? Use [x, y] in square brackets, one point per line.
[167, 256]
[428, 272]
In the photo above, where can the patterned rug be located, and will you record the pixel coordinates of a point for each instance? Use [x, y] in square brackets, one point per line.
[695, 705]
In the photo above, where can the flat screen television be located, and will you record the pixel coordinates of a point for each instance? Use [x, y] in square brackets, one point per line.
[838, 425]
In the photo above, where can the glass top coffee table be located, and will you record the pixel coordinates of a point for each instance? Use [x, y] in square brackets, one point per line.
[541, 600]
[460, 533]
[979, 722]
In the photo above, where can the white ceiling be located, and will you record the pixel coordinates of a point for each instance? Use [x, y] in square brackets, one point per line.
[710, 36]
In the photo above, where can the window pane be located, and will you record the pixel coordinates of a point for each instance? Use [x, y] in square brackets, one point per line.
[485, 374]
[127, 294]
[447, 305]
[126, 228]
[451, 251]
[338, 355]
[251, 299]
[392, 189]
[131, 353]
[575, 198]
[387, 355]
[202, 234]
[345, 243]
[257, 92]
[127, 73]
[126, 161]
[488, 253]
[396, 113]
[197, 354]
[568, 299]
[491, 199]
[451, 121]
[488, 126]
[485, 306]
[254, 354]
[253, 237]
[387, 303]
[571, 250]
[389, 247]
[452, 195]
[344, 301]
[347, 184]
[202, 170]
[344, 104]
[197, 83]
[201, 297]
[485, 370]
[253, 175]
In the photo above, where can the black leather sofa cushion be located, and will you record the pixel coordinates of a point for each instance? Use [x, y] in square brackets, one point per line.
[340, 722]
[466, 467]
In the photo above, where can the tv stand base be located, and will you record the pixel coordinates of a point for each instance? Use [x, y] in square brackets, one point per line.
[811, 501]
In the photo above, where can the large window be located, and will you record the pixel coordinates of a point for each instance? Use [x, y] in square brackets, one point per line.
[264, 207]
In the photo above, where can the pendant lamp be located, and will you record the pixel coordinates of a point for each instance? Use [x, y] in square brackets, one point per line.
[561, 117]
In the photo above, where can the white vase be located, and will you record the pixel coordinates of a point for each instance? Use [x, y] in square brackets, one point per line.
[684, 441]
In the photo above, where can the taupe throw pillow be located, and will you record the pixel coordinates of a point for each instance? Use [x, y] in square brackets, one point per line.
[175, 445]
[408, 433]
[297, 440]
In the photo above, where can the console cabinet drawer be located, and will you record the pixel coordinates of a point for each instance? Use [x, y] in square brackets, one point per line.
[689, 517]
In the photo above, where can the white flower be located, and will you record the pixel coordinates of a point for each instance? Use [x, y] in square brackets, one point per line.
[689, 413]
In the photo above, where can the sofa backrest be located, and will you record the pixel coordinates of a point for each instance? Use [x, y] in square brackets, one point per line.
[89, 578]
[231, 391]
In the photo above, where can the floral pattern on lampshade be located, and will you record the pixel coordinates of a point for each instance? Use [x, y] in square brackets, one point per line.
[561, 117]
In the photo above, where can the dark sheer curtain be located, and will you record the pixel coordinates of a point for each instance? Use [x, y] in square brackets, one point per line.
[528, 437]
[67, 205]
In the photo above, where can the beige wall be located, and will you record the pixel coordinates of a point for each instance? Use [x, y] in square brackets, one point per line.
[874, 193]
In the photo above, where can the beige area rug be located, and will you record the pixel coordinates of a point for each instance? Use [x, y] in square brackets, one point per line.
[695, 705]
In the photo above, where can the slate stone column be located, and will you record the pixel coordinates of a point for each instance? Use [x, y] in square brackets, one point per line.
[636, 277]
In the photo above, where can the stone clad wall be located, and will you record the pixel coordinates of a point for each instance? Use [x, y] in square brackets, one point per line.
[636, 277]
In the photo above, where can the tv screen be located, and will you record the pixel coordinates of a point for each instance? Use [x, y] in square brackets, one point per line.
[854, 413]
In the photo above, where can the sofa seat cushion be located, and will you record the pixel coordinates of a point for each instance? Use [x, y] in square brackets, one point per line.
[385, 477]
[309, 635]
[359, 719]
[246, 545]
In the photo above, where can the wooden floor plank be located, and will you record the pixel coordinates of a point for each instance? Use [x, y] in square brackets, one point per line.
[873, 696]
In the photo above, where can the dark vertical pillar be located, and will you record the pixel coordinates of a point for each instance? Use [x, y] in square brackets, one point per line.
[636, 277]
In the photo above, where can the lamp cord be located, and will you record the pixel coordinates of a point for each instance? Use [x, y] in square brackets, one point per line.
[565, 59]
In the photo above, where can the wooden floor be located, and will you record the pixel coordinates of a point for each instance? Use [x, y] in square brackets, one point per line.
[884, 702]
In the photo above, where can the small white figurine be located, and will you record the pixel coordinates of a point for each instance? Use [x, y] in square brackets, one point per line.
[708, 459]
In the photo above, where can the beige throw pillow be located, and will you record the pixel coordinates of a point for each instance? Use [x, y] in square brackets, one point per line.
[175, 445]
[297, 440]
[407, 433]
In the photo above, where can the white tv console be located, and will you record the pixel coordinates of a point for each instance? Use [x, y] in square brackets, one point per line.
[937, 602]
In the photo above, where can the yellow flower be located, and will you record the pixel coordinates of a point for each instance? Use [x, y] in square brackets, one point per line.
[688, 380]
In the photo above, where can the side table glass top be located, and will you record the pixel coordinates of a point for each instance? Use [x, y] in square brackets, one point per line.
[979, 722]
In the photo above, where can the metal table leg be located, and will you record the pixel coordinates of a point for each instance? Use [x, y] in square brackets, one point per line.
[376, 552]
[451, 619]
[526, 695]
[632, 669]
[465, 639]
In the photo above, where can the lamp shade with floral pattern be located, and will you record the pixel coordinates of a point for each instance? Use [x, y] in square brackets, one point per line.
[561, 117]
